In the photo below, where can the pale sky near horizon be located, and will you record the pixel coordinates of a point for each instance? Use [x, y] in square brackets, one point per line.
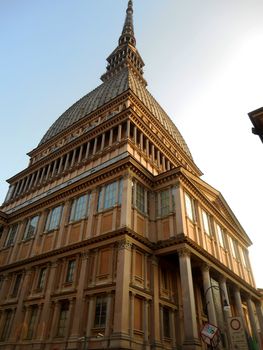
[203, 63]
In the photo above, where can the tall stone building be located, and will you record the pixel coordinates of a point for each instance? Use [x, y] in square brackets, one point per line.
[110, 238]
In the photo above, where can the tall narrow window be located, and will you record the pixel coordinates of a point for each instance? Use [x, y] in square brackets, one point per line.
[220, 234]
[11, 235]
[31, 227]
[140, 197]
[70, 271]
[79, 209]
[110, 195]
[17, 284]
[32, 322]
[244, 257]
[165, 202]
[233, 247]
[101, 312]
[166, 323]
[41, 278]
[53, 219]
[189, 207]
[63, 316]
[206, 222]
[6, 326]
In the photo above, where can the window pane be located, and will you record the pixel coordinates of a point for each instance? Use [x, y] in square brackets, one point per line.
[17, 285]
[220, 236]
[166, 323]
[31, 227]
[165, 199]
[7, 324]
[79, 208]
[63, 319]
[233, 247]
[42, 277]
[70, 271]
[140, 192]
[101, 311]
[110, 195]
[32, 322]
[53, 218]
[206, 222]
[11, 235]
[189, 207]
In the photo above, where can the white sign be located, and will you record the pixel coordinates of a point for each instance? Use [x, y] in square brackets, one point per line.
[209, 333]
[237, 333]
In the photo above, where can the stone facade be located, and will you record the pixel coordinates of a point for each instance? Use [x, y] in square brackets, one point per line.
[110, 238]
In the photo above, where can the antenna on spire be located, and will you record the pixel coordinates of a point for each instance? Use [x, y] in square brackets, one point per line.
[127, 35]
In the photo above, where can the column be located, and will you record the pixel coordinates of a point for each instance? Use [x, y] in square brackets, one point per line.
[55, 318]
[80, 153]
[37, 177]
[54, 168]
[209, 295]
[90, 315]
[77, 317]
[163, 163]
[155, 312]
[48, 172]
[73, 158]
[260, 317]
[141, 141]
[252, 320]
[121, 319]
[191, 340]
[227, 313]
[153, 151]
[135, 134]
[27, 181]
[128, 130]
[238, 302]
[60, 165]
[180, 210]
[111, 137]
[146, 321]
[95, 146]
[132, 296]
[158, 158]
[108, 315]
[42, 174]
[18, 319]
[102, 142]
[173, 334]
[45, 315]
[66, 162]
[147, 147]
[119, 132]
[126, 202]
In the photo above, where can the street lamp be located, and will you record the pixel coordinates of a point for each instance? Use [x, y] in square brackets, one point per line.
[226, 306]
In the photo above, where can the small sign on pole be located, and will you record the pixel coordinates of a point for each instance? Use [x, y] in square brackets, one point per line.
[210, 334]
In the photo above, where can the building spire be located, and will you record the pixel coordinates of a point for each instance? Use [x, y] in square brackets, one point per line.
[125, 55]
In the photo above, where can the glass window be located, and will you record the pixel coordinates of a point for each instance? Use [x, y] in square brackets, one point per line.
[100, 313]
[17, 284]
[112, 195]
[220, 234]
[11, 235]
[70, 271]
[166, 323]
[140, 197]
[53, 219]
[7, 324]
[32, 322]
[206, 222]
[189, 207]
[165, 202]
[62, 322]
[31, 227]
[42, 278]
[79, 209]
[233, 247]
[244, 257]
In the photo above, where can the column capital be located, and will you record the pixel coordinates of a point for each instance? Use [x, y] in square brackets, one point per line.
[184, 252]
[85, 255]
[124, 244]
[205, 267]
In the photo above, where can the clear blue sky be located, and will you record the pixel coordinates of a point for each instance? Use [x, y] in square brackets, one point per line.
[203, 64]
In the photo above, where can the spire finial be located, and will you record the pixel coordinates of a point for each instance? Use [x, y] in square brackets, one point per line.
[127, 35]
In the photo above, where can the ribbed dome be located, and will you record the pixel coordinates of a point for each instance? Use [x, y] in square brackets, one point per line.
[106, 92]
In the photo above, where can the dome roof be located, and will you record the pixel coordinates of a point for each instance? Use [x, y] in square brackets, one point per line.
[106, 92]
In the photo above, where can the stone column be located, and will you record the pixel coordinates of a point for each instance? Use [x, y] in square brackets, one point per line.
[260, 317]
[252, 320]
[132, 296]
[17, 322]
[141, 141]
[54, 168]
[95, 146]
[180, 210]
[209, 295]
[73, 158]
[48, 172]
[91, 314]
[108, 315]
[60, 165]
[102, 142]
[173, 334]
[128, 130]
[135, 134]
[43, 323]
[111, 137]
[152, 152]
[147, 148]
[80, 153]
[119, 132]
[191, 340]
[87, 151]
[155, 312]
[227, 313]
[77, 317]
[146, 322]
[238, 302]
[126, 202]
[121, 319]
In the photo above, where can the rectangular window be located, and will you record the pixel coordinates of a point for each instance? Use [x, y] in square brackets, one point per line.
[53, 219]
[17, 285]
[32, 322]
[7, 323]
[166, 323]
[31, 227]
[11, 235]
[244, 257]
[101, 312]
[62, 322]
[110, 195]
[233, 247]
[79, 209]
[165, 202]
[220, 234]
[70, 271]
[189, 207]
[206, 223]
[41, 278]
[140, 197]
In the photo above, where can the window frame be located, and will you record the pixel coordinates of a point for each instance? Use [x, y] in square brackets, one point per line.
[166, 323]
[17, 285]
[189, 207]
[32, 322]
[51, 224]
[62, 320]
[110, 195]
[79, 213]
[7, 325]
[206, 223]
[221, 236]
[100, 315]
[71, 267]
[42, 278]
[27, 234]
[165, 202]
[11, 236]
